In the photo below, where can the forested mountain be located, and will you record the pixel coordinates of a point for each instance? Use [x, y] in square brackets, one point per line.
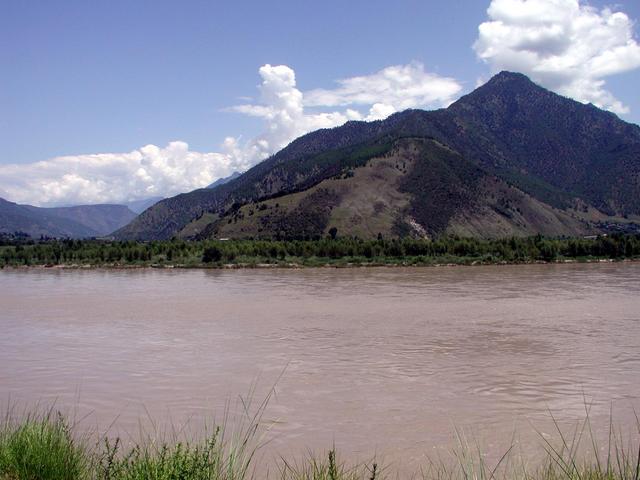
[75, 222]
[510, 158]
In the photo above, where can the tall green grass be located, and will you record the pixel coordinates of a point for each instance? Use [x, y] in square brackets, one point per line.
[202, 460]
[327, 467]
[225, 453]
[42, 446]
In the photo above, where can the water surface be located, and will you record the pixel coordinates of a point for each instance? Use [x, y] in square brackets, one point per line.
[378, 360]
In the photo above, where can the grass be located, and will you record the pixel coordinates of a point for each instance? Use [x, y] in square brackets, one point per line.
[327, 467]
[41, 446]
[208, 459]
[44, 446]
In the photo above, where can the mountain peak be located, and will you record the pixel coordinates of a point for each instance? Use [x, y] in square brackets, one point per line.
[509, 82]
[507, 75]
[504, 88]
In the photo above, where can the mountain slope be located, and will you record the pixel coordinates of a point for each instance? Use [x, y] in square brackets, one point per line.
[77, 222]
[419, 188]
[291, 169]
[559, 154]
[101, 219]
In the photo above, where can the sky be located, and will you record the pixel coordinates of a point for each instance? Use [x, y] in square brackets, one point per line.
[109, 102]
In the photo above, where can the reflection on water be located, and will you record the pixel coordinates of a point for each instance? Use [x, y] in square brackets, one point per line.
[375, 360]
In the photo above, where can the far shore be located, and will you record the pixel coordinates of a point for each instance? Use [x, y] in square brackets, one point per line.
[319, 253]
[294, 265]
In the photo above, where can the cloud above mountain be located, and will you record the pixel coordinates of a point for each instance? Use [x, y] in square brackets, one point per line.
[393, 88]
[564, 45]
[287, 113]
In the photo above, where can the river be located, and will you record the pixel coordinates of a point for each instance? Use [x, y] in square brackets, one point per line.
[384, 361]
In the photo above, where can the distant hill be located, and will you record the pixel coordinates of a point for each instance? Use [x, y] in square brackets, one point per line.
[75, 222]
[222, 181]
[139, 206]
[510, 158]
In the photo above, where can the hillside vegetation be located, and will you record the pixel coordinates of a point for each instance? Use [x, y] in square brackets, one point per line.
[418, 188]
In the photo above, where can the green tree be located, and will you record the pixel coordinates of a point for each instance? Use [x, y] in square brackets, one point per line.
[212, 254]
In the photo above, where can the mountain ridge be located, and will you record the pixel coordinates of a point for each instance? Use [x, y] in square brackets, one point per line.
[80, 221]
[556, 151]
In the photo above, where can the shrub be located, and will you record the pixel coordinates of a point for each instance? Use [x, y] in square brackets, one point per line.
[212, 254]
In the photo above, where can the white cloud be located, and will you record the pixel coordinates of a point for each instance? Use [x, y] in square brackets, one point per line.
[398, 87]
[287, 113]
[282, 108]
[565, 45]
[115, 177]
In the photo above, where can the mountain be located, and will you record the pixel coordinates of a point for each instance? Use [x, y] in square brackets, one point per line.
[510, 158]
[100, 219]
[75, 222]
[139, 206]
[222, 181]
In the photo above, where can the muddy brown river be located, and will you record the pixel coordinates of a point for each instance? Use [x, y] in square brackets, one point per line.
[378, 361]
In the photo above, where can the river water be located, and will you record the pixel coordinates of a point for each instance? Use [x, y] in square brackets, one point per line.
[378, 361]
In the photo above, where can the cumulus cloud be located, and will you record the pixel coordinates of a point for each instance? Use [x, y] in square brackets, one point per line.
[391, 89]
[115, 177]
[565, 45]
[283, 110]
[289, 112]
[286, 111]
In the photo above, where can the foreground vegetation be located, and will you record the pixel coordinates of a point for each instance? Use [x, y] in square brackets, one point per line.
[328, 251]
[44, 447]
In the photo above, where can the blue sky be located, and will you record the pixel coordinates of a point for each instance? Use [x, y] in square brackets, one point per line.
[85, 78]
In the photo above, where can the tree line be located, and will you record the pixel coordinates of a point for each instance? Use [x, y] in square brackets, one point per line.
[26, 252]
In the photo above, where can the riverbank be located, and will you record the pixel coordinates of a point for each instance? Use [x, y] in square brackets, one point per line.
[343, 252]
[46, 446]
[313, 264]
